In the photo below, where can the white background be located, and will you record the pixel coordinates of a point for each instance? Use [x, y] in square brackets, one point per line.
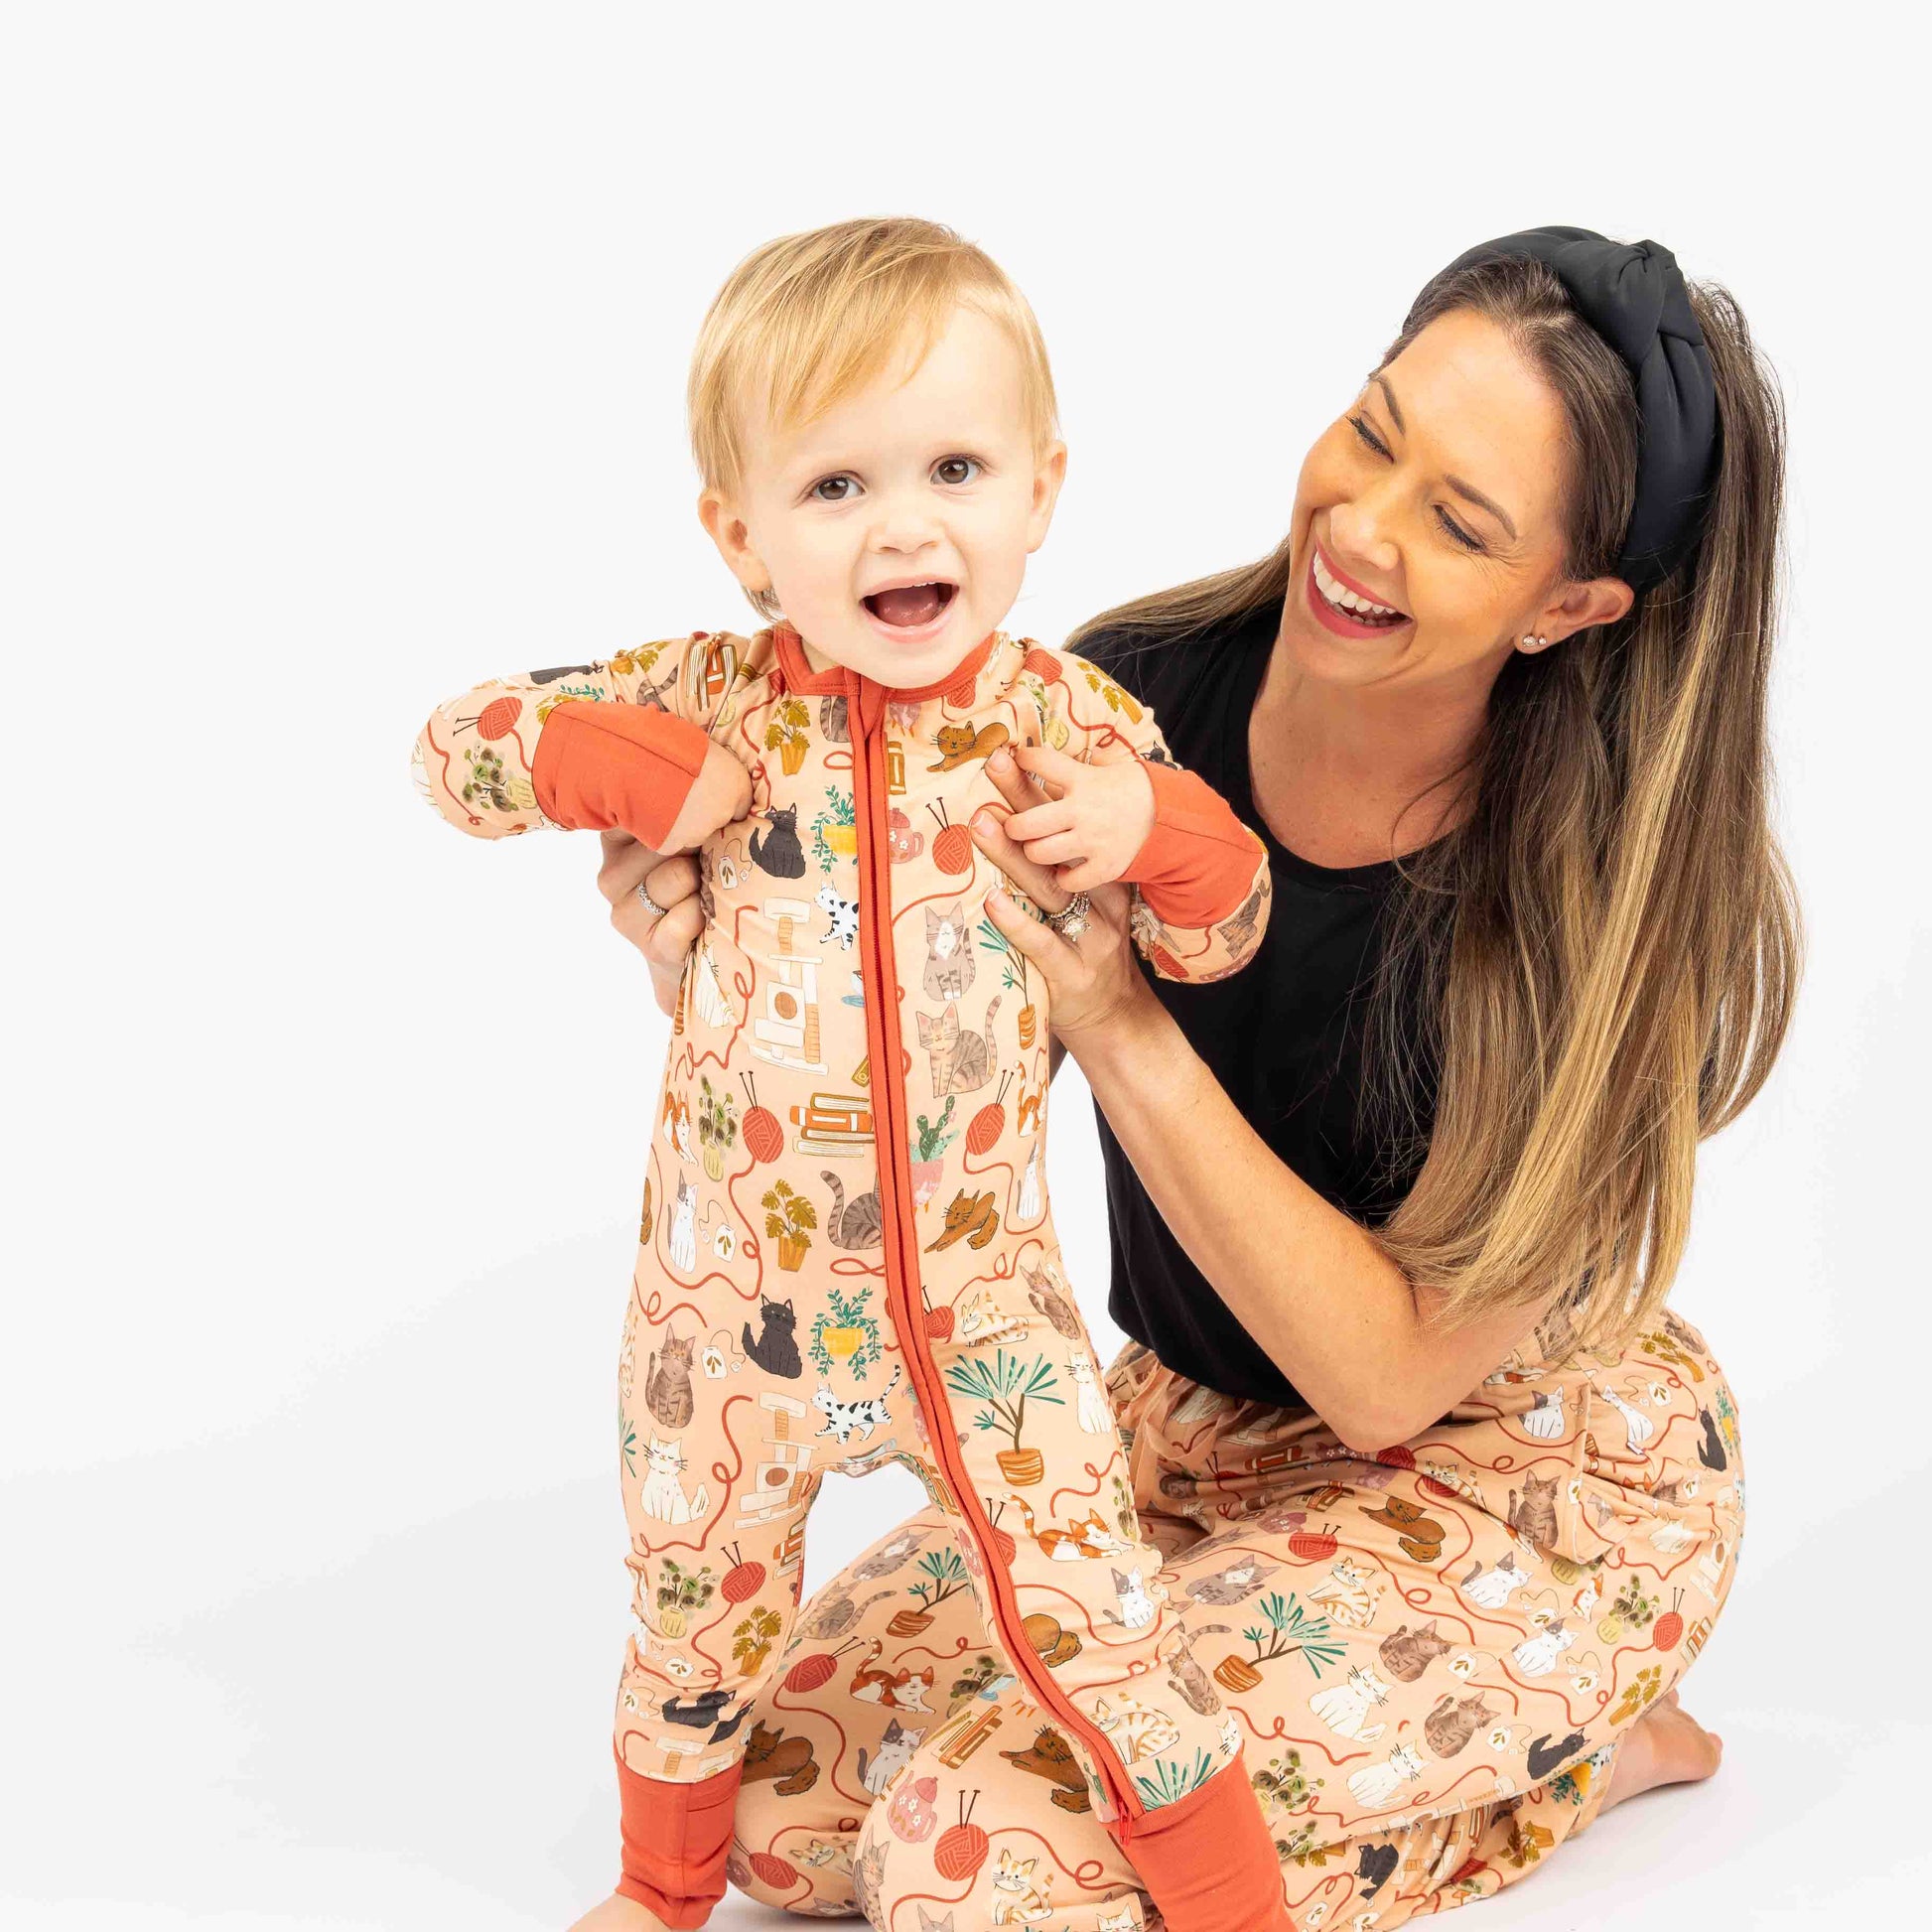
[344, 359]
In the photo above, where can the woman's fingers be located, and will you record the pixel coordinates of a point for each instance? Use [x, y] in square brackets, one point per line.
[1038, 884]
[1015, 787]
[1032, 939]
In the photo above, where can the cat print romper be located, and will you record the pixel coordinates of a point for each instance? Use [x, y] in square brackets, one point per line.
[846, 1255]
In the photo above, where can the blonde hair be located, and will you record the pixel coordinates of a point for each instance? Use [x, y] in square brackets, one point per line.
[1605, 953]
[809, 319]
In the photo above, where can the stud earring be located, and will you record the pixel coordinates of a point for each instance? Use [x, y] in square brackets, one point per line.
[1536, 643]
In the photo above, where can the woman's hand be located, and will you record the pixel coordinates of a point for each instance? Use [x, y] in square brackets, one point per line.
[1092, 981]
[662, 937]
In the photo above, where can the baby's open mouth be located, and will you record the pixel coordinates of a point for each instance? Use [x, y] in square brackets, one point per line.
[907, 606]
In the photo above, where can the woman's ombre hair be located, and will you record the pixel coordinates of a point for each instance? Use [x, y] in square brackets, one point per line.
[809, 319]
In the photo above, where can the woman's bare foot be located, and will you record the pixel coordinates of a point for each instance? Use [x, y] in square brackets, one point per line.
[1666, 1746]
[619, 1914]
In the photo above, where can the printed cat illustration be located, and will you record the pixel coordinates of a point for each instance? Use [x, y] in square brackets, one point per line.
[832, 721]
[1375, 1788]
[787, 1760]
[776, 849]
[841, 913]
[1375, 1867]
[1348, 1594]
[901, 1689]
[857, 1226]
[1490, 1587]
[1544, 1420]
[1421, 1537]
[1123, 1920]
[776, 1348]
[1239, 928]
[681, 1233]
[1085, 1537]
[1136, 1605]
[1405, 1654]
[662, 1494]
[824, 1854]
[1050, 1756]
[1345, 1707]
[667, 1383]
[982, 1323]
[868, 1876]
[1534, 1517]
[1045, 1293]
[961, 744]
[949, 963]
[892, 1555]
[1135, 1731]
[834, 1611]
[1711, 1451]
[1452, 1723]
[1537, 1656]
[1027, 1207]
[1239, 1581]
[1017, 1900]
[1095, 1415]
[1187, 1677]
[896, 1750]
[927, 1923]
[1545, 1758]
[972, 1215]
[865, 1415]
[962, 1060]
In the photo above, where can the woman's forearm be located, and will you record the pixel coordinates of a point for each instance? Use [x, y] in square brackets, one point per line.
[1313, 1287]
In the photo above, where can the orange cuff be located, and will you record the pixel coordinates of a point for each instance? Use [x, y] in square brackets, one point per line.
[1198, 863]
[675, 1841]
[1209, 1863]
[616, 768]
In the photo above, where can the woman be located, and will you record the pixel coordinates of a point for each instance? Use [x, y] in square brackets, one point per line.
[1454, 1496]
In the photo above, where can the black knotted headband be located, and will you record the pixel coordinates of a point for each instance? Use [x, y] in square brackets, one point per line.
[1632, 294]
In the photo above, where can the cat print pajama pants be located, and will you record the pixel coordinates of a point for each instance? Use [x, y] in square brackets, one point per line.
[847, 1255]
[1430, 1658]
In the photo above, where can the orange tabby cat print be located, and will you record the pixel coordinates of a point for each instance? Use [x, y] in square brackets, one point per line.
[846, 1254]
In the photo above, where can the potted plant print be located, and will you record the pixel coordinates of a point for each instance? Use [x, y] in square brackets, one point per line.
[788, 733]
[717, 1127]
[929, 1149]
[844, 1333]
[680, 1593]
[1013, 977]
[945, 1576]
[1289, 1629]
[752, 1641]
[1005, 1386]
[788, 1214]
[835, 831]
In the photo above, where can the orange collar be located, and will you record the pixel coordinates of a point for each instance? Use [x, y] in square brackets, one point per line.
[801, 678]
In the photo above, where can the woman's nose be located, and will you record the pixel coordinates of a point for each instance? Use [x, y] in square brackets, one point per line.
[1357, 536]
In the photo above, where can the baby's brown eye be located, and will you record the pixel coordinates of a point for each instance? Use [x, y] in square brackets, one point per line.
[833, 489]
[955, 470]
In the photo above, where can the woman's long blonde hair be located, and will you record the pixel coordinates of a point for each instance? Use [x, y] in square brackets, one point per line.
[1606, 951]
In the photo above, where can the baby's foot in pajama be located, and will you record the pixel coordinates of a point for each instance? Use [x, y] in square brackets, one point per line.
[619, 1914]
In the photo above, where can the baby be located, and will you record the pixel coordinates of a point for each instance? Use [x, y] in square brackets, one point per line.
[845, 1253]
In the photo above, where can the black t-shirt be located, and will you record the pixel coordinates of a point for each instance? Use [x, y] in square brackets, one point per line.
[1282, 1036]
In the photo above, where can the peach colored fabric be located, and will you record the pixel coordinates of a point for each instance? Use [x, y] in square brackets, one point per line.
[847, 1255]
[1431, 1658]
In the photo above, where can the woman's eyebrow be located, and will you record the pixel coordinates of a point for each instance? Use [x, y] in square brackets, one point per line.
[1457, 484]
[1482, 502]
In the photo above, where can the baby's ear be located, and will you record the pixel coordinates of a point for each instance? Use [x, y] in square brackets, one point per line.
[1049, 472]
[724, 523]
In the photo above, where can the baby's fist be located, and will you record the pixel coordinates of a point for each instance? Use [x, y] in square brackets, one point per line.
[719, 795]
[1093, 822]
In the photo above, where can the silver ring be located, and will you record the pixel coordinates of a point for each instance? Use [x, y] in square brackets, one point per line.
[649, 905]
[1071, 920]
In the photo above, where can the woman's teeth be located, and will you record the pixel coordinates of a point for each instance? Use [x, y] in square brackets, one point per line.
[1350, 604]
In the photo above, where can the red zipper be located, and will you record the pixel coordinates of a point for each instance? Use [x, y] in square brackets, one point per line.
[865, 707]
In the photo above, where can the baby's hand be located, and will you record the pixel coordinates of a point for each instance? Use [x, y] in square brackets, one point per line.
[719, 795]
[1094, 820]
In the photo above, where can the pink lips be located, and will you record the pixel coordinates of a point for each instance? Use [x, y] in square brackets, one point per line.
[1331, 619]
